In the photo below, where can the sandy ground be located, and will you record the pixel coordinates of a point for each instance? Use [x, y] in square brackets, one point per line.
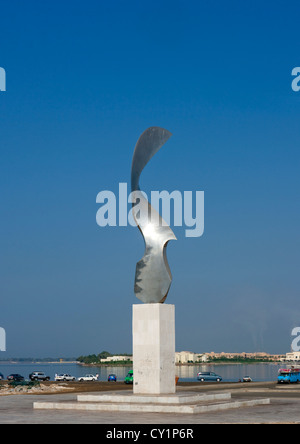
[61, 387]
[49, 388]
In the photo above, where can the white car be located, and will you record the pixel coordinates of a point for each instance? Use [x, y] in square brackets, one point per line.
[64, 377]
[88, 378]
[247, 379]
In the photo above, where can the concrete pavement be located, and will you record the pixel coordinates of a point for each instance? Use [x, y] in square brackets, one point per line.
[284, 408]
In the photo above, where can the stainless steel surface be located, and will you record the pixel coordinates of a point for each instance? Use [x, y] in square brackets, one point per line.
[153, 276]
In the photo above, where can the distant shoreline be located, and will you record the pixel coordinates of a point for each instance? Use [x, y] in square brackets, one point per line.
[13, 361]
[190, 364]
[130, 364]
[105, 364]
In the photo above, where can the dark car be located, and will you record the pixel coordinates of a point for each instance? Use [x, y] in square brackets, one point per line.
[15, 377]
[1, 377]
[112, 378]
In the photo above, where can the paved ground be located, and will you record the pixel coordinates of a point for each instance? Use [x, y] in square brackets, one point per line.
[284, 408]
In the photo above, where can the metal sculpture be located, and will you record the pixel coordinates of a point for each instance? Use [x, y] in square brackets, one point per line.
[153, 276]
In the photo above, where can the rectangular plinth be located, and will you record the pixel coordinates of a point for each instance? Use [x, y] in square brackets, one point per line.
[176, 399]
[200, 407]
[154, 349]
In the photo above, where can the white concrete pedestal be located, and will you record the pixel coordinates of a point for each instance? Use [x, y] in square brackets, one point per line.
[153, 349]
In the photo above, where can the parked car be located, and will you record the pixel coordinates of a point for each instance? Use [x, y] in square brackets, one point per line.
[1, 377]
[112, 378]
[209, 377]
[247, 379]
[64, 377]
[15, 377]
[38, 376]
[129, 378]
[88, 378]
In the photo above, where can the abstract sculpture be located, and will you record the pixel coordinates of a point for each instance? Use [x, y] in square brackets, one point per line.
[153, 276]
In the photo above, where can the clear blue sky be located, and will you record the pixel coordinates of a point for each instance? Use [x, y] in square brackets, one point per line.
[84, 79]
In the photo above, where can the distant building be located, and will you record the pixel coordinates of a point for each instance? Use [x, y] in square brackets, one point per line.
[117, 359]
[292, 357]
[257, 355]
[186, 357]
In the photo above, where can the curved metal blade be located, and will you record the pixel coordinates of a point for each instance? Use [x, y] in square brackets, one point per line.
[153, 276]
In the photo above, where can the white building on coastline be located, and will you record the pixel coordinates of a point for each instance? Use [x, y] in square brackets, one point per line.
[186, 357]
[292, 357]
[117, 359]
